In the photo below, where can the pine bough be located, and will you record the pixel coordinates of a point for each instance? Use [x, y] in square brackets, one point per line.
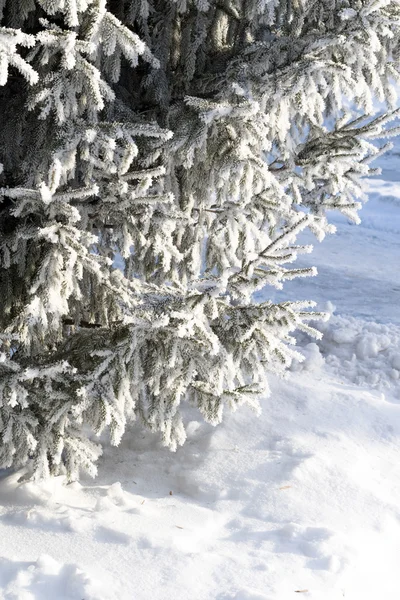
[159, 159]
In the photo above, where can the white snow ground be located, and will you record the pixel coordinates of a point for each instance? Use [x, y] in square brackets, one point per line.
[301, 502]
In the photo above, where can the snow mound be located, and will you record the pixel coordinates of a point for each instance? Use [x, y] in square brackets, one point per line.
[356, 351]
[47, 578]
[387, 191]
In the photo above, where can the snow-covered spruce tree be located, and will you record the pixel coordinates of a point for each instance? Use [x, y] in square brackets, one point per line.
[159, 158]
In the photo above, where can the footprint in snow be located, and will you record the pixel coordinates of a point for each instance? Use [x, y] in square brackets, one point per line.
[107, 535]
[37, 518]
[309, 542]
[244, 595]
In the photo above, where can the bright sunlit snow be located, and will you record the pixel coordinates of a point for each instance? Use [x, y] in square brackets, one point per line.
[301, 502]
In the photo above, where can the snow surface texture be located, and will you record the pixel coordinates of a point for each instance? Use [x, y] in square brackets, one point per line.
[301, 502]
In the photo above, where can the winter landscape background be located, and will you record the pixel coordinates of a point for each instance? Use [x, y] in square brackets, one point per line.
[301, 502]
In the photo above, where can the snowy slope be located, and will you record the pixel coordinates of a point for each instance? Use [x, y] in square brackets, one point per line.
[358, 267]
[301, 502]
